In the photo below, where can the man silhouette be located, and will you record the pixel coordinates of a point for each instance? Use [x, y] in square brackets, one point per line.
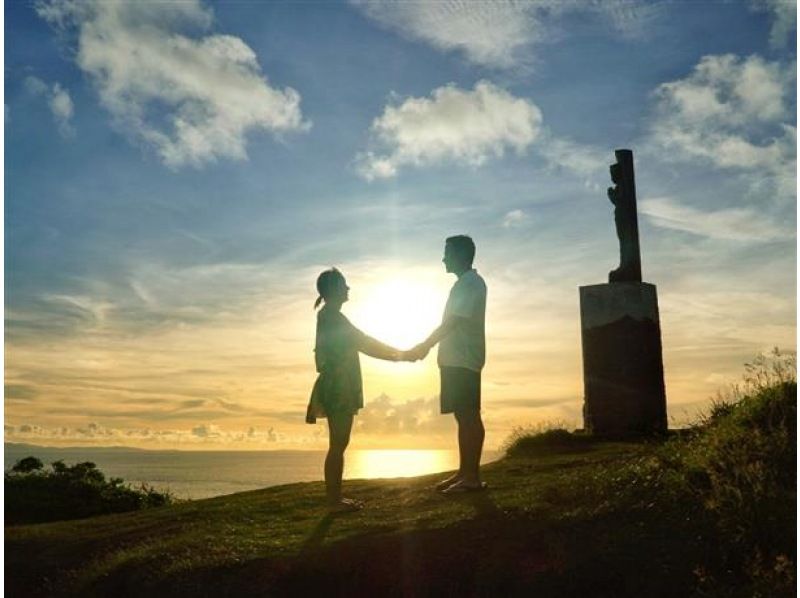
[462, 354]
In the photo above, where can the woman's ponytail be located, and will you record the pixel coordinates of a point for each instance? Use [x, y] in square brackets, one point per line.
[317, 302]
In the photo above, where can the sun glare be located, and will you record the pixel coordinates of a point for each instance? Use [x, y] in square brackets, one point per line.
[399, 312]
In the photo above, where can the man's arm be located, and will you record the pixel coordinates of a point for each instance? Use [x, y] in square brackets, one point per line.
[446, 328]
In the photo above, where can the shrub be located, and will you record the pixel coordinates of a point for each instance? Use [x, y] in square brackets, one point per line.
[741, 467]
[547, 437]
[34, 494]
[27, 465]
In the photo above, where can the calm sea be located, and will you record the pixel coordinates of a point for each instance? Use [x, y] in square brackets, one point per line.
[202, 474]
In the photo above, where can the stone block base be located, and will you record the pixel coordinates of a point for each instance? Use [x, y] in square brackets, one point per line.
[623, 372]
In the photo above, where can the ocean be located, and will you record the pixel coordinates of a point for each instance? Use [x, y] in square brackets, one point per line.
[203, 474]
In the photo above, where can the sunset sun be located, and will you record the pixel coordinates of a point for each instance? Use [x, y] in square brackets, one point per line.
[400, 312]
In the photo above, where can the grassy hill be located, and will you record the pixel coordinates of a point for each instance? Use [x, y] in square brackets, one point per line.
[710, 512]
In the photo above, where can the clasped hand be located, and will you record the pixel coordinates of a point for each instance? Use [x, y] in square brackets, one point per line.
[415, 354]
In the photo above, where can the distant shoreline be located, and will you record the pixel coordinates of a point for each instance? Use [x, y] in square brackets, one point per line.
[196, 474]
[94, 447]
[90, 447]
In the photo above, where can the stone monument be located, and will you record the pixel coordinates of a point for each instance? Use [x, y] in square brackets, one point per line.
[623, 372]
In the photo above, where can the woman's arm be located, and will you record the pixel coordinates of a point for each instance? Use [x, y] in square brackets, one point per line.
[368, 345]
[374, 348]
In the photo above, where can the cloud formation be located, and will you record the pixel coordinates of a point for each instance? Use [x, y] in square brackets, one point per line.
[514, 218]
[737, 224]
[733, 112]
[463, 126]
[385, 417]
[193, 98]
[494, 33]
[202, 435]
[585, 161]
[784, 14]
[58, 100]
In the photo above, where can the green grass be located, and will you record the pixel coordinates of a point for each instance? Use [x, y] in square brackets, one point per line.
[710, 512]
[263, 539]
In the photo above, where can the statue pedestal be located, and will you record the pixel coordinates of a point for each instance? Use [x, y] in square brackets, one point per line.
[623, 372]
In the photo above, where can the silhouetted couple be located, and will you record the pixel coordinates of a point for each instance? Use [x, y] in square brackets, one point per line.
[338, 395]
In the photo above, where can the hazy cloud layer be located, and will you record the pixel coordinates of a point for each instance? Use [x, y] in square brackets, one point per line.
[94, 433]
[382, 417]
[19, 392]
[58, 100]
[738, 224]
[193, 98]
[733, 112]
[463, 126]
[495, 33]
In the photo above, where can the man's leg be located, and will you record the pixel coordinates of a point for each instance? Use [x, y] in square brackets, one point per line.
[470, 438]
[449, 481]
[463, 446]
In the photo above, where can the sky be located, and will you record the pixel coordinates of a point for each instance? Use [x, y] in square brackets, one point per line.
[178, 173]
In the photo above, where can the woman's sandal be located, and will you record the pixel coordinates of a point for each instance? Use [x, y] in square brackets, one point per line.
[446, 483]
[346, 505]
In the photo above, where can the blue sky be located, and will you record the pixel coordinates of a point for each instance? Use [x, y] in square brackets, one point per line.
[177, 174]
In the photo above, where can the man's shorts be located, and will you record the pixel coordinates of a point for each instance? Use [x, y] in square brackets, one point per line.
[460, 391]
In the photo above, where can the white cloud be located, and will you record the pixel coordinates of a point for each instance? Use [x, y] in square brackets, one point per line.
[737, 224]
[58, 100]
[193, 99]
[61, 106]
[514, 218]
[733, 112]
[35, 86]
[495, 33]
[462, 126]
[90, 309]
[784, 14]
[562, 153]
[489, 33]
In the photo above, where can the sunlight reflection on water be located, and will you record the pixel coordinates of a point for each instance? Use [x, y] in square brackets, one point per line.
[396, 463]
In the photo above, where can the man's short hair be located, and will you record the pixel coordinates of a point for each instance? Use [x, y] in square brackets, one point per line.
[463, 246]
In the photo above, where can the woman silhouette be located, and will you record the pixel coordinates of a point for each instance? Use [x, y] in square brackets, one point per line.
[337, 393]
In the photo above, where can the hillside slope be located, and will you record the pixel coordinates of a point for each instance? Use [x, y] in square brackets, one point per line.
[560, 518]
[533, 528]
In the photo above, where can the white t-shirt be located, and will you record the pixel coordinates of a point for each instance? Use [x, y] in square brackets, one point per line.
[465, 346]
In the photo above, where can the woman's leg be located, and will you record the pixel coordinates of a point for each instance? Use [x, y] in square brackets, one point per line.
[339, 427]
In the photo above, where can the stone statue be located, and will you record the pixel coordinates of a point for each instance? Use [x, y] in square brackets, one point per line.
[623, 196]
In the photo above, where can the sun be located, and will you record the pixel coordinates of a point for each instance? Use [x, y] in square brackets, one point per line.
[400, 312]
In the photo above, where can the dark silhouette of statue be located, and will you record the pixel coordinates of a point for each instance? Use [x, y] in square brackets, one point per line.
[623, 196]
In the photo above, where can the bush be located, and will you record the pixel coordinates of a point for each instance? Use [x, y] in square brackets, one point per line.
[34, 494]
[743, 469]
[544, 438]
[740, 465]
